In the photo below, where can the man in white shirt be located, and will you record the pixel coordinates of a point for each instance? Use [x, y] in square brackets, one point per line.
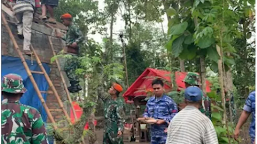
[190, 126]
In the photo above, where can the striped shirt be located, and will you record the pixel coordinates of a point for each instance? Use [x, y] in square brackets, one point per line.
[190, 126]
[22, 6]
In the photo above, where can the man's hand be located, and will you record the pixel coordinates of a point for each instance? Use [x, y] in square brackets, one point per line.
[58, 34]
[236, 134]
[166, 130]
[160, 121]
[141, 119]
[119, 133]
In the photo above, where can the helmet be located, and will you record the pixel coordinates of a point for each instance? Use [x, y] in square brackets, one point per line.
[192, 79]
[13, 83]
[66, 16]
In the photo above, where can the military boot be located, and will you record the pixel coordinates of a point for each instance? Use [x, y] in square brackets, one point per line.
[75, 87]
[72, 88]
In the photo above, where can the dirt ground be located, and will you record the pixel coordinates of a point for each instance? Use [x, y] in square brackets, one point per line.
[99, 134]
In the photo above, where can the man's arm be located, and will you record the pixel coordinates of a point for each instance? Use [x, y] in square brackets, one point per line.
[210, 135]
[38, 128]
[244, 116]
[121, 120]
[146, 113]
[80, 36]
[173, 110]
[101, 94]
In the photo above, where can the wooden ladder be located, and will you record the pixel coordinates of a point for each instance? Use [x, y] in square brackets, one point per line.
[29, 72]
[62, 77]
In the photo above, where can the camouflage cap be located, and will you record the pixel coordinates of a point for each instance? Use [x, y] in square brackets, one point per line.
[13, 83]
[192, 79]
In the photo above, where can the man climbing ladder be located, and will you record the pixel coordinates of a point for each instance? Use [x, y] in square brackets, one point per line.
[73, 39]
[23, 10]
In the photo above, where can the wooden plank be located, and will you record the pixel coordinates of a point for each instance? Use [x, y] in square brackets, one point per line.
[37, 72]
[56, 110]
[7, 11]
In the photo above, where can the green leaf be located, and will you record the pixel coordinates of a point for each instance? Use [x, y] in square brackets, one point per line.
[177, 46]
[178, 29]
[216, 116]
[228, 61]
[189, 39]
[214, 67]
[205, 42]
[171, 11]
[216, 107]
[169, 44]
[173, 93]
[196, 3]
[188, 53]
[220, 130]
[225, 139]
[248, 35]
[213, 54]
[211, 94]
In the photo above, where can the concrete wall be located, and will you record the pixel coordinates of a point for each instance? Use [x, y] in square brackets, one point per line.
[41, 45]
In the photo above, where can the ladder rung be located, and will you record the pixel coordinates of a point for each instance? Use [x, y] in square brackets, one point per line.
[48, 92]
[37, 72]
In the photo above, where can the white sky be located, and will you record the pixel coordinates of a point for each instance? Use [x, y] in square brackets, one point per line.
[119, 25]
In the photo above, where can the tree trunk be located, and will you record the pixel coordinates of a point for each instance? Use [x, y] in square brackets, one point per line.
[203, 74]
[223, 100]
[182, 65]
[111, 38]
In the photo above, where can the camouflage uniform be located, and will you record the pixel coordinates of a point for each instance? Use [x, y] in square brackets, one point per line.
[193, 79]
[21, 124]
[114, 120]
[72, 63]
[250, 106]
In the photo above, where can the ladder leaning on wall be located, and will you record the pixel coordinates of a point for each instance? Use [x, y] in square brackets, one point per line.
[29, 72]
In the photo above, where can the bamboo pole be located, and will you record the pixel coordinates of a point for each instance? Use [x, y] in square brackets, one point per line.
[62, 77]
[28, 72]
[51, 85]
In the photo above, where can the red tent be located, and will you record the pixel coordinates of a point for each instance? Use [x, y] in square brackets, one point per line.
[144, 82]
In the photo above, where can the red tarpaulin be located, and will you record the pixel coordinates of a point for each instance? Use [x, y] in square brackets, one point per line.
[78, 111]
[144, 82]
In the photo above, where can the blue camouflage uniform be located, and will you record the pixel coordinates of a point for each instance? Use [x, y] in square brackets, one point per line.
[163, 108]
[250, 107]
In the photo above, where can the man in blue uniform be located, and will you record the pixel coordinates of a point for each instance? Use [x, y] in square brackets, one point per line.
[160, 109]
[249, 108]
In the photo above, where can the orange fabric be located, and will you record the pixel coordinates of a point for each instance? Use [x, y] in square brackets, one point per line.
[117, 87]
[79, 112]
[66, 16]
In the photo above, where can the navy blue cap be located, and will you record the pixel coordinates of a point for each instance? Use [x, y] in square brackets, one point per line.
[193, 94]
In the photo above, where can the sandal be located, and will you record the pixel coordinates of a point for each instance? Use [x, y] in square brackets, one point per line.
[51, 20]
[27, 52]
[42, 17]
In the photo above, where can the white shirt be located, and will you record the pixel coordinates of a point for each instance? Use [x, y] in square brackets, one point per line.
[190, 126]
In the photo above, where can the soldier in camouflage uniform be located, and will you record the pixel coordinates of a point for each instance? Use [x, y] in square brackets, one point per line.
[21, 124]
[114, 116]
[193, 79]
[73, 39]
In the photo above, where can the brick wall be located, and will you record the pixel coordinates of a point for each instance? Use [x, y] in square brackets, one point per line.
[41, 45]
